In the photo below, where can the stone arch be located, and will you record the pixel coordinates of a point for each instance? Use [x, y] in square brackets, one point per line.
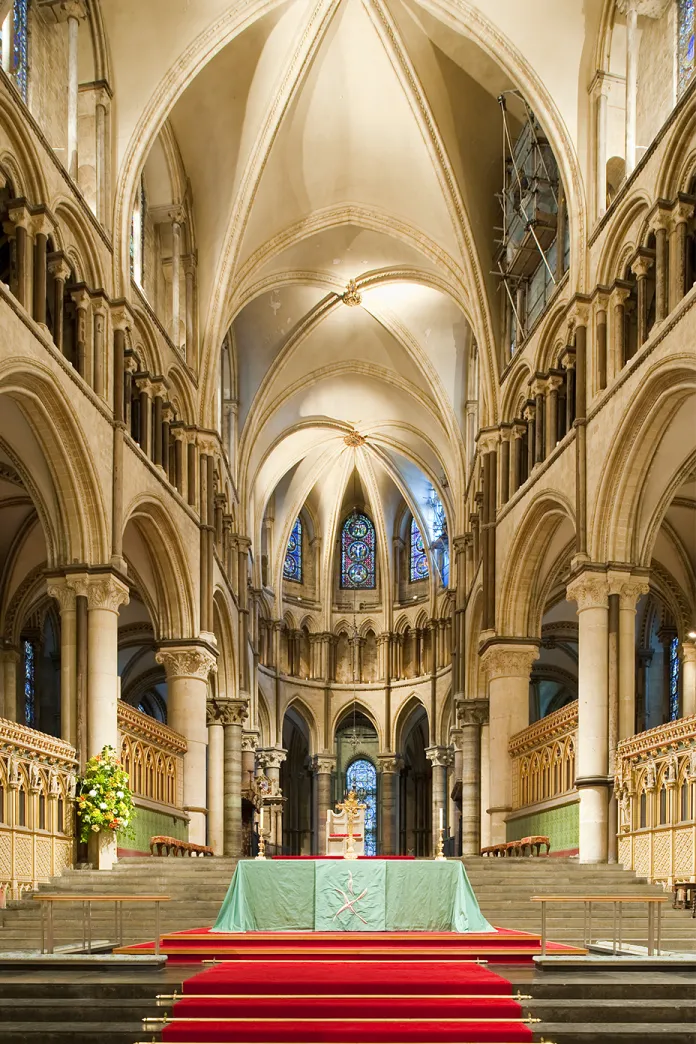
[344, 712]
[223, 627]
[515, 386]
[72, 222]
[611, 263]
[679, 164]
[73, 509]
[163, 566]
[412, 706]
[180, 393]
[633, 493]
[301, 708]
[21, 154]
[531, 561]
[145, 344]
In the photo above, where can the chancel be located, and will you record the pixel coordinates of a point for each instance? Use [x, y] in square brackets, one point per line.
[347, 521]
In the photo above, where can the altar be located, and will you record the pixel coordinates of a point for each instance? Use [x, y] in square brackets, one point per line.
[342, 895]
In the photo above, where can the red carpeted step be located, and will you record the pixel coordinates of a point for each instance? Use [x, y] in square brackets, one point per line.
[312, 977]
[393, 1031]
[346, 1007]
[502, 937]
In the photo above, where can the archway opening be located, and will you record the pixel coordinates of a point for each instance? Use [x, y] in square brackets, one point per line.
[415, 797]
[296, 785]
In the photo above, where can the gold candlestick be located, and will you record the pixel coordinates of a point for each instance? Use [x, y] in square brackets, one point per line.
[440, 856]
[352, 808]
[262, 847]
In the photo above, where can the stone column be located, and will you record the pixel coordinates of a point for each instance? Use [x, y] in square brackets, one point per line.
[99, 342]
[507, 665]
[580, 314]
[158, 404]
[600, 90]
[539, 396]
[660, 226]
[630, 8]
[617, 358]
[554, 382]
[271, 758]
[250, 741]
[440, 758]
[640, 268]
[471, 715]
[187, 667]
[105, 594]
[688, 656]
[82, 302]
[101, 110]
[176, 217]
[121, 322]
[390, 766]
[517, 433]
[40, 228]
[59, 268]
[189, 274]
[216, 768]
[9, 659]
[324, 766]
[601, 353]
[168, 464]
[529, 414]
[591, 592]
[681, 215]
[629, 589]
[506, 439]
[59, 589]
[142, 383]
[75, 13]
[18, 226]
[233, 714]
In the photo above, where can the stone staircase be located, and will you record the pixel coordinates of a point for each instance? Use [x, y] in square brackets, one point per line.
[198, 886]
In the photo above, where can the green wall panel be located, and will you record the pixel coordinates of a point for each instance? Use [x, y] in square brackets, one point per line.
[147, 824]
[561, 825]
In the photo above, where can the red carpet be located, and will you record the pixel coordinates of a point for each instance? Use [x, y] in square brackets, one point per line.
[500, 947]
[330, 1002]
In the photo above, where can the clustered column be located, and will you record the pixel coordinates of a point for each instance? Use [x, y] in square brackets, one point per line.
[324, 766]
[390, 767]
[508, 667]
[233, 714]
[441, 758]
[188, 668]
[471, 716]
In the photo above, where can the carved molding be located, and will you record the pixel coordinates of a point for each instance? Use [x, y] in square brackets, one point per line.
[233, 712]
[589, 590]
[508, 661]
[561, 723]
[441, 757]
[471, 712]
[324, 763]
[271, 757]
[135, 723]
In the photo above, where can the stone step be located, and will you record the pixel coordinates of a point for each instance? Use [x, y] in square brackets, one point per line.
[616, 1033]
[71, 1009]
[122, 1032]
[666, 1010]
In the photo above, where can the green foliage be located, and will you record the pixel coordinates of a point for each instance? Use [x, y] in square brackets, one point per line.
[104, 799]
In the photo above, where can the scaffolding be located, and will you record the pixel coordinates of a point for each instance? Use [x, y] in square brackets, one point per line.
[528, 260]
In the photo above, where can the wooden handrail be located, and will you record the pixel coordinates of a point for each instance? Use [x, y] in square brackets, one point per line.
[653, 902]
[48, 899]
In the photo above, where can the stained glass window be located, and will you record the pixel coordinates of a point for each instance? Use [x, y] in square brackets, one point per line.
[441, 542]
[362, 778]
[29, 683]
[419, 559]
[137, 236]
[685, 44]
[357, 552]
[292, 567]
[674, 679]
[20, 62]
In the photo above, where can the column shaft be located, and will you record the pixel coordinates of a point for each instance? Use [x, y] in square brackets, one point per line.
[471, 788]
[73, 27]
[216, 761]
[631, 84]
[233, 789]
[40, 244]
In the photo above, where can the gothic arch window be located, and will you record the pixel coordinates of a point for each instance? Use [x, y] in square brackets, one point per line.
[29, 681]
[419, 559]
[17, 61]
[357, 552]
[292, 567]
[685, 44]
[674, 679]
[362, 778]
[440, 546]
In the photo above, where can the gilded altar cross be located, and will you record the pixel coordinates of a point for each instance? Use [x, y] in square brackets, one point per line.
[352, 808]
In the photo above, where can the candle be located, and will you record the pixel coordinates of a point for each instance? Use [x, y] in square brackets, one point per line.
[261, 820]
[442, 819]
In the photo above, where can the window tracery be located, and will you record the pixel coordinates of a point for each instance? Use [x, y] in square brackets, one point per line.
[292, 567]
[419, 560]
[685, 45]
[357, 552]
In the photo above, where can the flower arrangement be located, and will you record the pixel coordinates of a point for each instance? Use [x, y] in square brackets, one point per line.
[104, 799]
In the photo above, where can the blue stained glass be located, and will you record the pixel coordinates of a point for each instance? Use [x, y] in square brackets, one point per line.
[441, 544]
[362, 778]
[357, 552]
[292, 567]
[29, 683]
[685, 44]
[674, 679]
[20, 62]
[419, 559]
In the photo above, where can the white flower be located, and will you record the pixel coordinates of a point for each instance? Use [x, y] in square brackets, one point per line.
[103, 804]
[119, 793]
[92, 793]
[95, 827]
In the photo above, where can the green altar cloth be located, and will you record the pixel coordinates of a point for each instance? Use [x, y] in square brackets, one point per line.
[340, 895]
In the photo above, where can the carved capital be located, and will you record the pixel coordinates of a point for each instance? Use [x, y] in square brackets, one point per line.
[390, 764]
[233, 712]
[487, 440]
[58, 588]
[120, 317]
[250, 739]
[589, 590]
[508, 661]
[641, 265]
[324, 764]
[628, 588]
[187, 661]
[471, 712]
[59, 268]
[578, 312]
[271, 757]
[102, 590]
[440, 757]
